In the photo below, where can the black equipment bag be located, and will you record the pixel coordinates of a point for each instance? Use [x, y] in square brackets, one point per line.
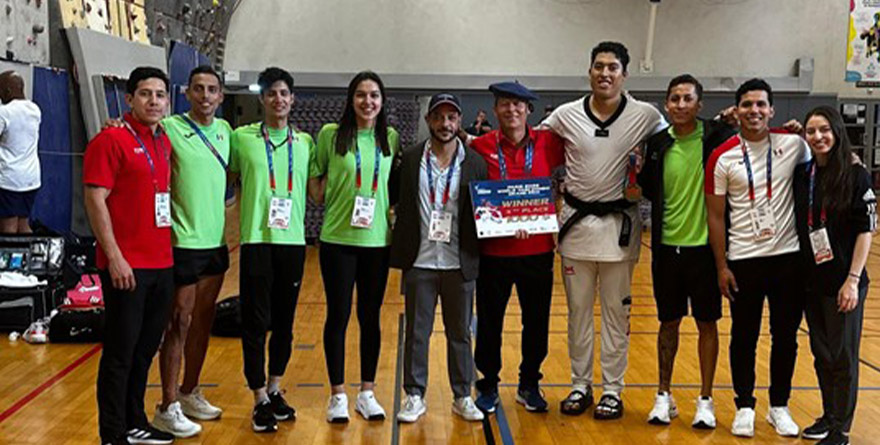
[77, 326]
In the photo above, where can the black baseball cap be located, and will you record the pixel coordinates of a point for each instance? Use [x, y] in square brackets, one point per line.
[444, 98]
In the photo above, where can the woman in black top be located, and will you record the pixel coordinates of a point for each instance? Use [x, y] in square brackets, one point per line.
[835, 211]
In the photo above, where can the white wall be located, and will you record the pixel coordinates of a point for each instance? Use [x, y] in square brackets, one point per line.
[541, 37]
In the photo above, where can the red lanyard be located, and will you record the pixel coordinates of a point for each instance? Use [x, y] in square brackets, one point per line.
[269, 159]
[751, 177]
[376, 166]
[146, 152]
[430, 172]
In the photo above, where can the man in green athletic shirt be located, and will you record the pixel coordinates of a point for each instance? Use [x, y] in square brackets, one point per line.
[273, 159]
[198, 183]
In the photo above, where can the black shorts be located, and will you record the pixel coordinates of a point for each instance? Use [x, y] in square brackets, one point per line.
[17, 204]
[682, 273]
[192, 264]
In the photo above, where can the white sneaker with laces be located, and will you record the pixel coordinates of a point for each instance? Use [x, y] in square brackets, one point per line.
[704, 418]
[664, 409]
[744, 423]
[467, 409]
[780, 418]
[195, 405]
[174, 422]
[367, 406]
[337, 408]
[413, 408]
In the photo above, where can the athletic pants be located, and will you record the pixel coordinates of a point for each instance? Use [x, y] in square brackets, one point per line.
[613, 279]
[343, 268]
[775, 277]
[271, 275]
[834, 339]
[134, 323]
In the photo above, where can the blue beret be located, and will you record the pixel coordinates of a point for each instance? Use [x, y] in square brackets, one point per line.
[513, 89]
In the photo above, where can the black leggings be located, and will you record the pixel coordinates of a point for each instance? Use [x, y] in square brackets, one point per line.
[341, 268]
[270, 282]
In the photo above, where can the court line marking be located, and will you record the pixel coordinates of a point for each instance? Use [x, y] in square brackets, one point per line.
[503, 427]
[395, 425]
[48, 383]
[683, 386]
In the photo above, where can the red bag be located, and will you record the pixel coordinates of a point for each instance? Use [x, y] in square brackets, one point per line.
[86, 294]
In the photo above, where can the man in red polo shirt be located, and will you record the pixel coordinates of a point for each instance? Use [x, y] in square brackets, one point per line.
[526, 261]
[127, 197]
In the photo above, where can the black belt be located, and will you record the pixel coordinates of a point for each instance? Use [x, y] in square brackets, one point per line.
[583, 208]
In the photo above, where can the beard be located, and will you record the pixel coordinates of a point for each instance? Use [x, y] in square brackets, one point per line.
[436, 136]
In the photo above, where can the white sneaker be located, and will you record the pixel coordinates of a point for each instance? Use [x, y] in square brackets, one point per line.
[780, 418]
[744, 423]
[174, 422]
[664, 409]
[465, 407]
[196, 406]
[413, 408]
[367, 406]
[337, 408]
[704, 419]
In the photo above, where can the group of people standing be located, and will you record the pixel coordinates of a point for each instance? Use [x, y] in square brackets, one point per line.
[155, 199]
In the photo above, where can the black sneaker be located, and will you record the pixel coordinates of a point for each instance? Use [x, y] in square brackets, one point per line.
[531, 398]
[280, 408]
[835, 437]
[149, 435]
[487, 400]
[818, 430]
[263, 419]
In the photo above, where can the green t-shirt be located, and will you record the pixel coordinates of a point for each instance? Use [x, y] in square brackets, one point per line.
[684, 211]
[198, 183]
[249, 159]
[340, 192]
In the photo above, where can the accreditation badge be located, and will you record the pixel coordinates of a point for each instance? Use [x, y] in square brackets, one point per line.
[363, 212]
[763, 222]
[821, 246]
[440, 226]
[162, 209]
[279, 213]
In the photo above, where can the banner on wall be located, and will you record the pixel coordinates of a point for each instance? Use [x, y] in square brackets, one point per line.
[863, 43]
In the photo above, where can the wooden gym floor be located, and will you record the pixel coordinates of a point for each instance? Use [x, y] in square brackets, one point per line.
[47, 392]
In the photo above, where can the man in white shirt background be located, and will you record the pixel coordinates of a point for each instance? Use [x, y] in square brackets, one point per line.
[19, 162]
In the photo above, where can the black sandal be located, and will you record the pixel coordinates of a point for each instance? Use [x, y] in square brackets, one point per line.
[576, 403]
[610, 407]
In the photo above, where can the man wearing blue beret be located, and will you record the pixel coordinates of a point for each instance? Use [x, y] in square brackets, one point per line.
[515, 151]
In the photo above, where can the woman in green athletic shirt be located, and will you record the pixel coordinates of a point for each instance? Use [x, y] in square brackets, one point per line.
[352, 166]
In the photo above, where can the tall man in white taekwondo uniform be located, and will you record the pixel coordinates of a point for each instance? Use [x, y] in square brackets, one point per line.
[601, 232]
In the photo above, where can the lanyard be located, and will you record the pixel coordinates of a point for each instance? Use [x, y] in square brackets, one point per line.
[269, 149]
[502, 163]
[204, 138]
[822, 215]
[150, 159]
[431, 177]
[748, 164]
[357, 161]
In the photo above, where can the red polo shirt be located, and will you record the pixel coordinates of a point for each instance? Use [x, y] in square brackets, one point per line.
[549, 153]
[115, 160]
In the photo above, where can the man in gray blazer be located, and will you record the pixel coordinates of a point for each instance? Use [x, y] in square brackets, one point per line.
[435, 244]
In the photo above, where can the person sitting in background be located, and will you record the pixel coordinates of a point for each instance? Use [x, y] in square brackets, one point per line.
[480, 126]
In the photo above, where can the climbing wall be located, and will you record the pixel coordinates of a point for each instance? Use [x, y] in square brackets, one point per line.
[23, 35]
[122, 18]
